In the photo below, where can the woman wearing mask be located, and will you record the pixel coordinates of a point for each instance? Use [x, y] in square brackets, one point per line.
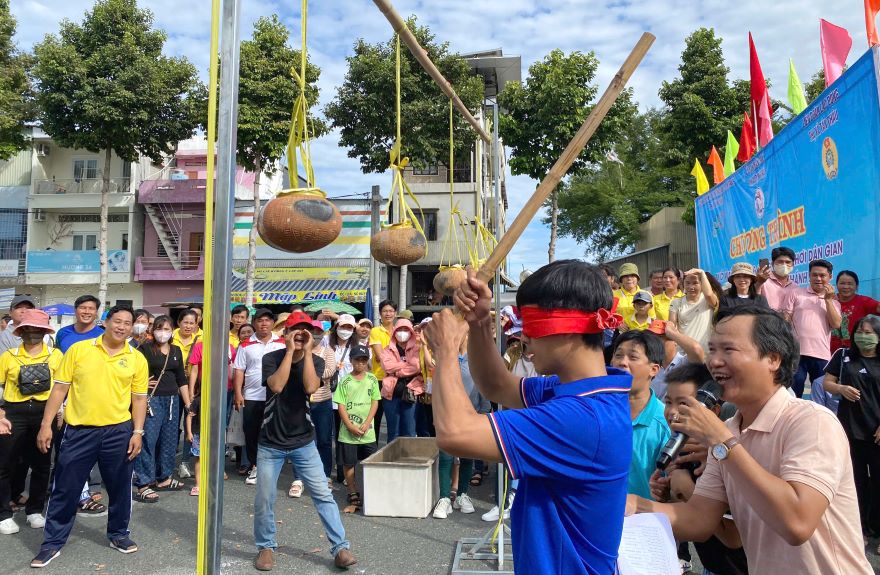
[342, 337]
[853, 307]
[855, 374]
[320, 402]
[154, 465]
[403, 381]
[140, 330]
[693, 313]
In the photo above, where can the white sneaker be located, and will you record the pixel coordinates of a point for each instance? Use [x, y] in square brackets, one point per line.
[296, 489]
[464, 503]
[443, 508]
[8, 527]
[685, 566]
[36, 521]
[183, 470]
[252, 477]
[492, 514]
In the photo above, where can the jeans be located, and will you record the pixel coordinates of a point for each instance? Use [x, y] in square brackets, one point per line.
[18, 453]
[252, 413]
[322, 419]
[400, 417]
[808, 365]
[465, 468]
[156, 459]
[307, 461]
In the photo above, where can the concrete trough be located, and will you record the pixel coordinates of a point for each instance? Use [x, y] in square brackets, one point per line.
[401, 479]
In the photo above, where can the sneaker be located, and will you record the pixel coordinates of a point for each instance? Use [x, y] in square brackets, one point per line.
[443, 508]
[124, 545]
[296, 489]
[685, 566]
[252, 477]
[44, 557]
[8, 526]
[183, 470]
[492, 515]
[36, 521]
[464, 503]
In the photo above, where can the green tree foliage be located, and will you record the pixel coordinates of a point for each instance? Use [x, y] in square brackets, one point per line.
[104, 85]
[363, 109]
[815, 86]
[541, 116]
[16, 97]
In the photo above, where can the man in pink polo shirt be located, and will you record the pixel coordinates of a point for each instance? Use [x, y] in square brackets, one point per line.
[780, 465]
[773, 280]
[813, 312]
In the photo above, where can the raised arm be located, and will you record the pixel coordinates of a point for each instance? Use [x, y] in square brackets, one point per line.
[689, 345]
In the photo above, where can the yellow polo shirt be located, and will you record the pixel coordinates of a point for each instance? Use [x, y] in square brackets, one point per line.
[662, 303]
[10, 365]
[233, 340]
[381, 336]
[625, 302]
[101, 385]
[634, 324]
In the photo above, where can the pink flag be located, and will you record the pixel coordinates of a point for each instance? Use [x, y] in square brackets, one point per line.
[765, 128]
[836, 44]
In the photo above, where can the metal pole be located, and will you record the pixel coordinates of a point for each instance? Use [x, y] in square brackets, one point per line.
[212, 489]
[496, 172]
[375, 279]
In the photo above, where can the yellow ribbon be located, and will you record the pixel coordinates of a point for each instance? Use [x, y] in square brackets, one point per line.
[300, 124]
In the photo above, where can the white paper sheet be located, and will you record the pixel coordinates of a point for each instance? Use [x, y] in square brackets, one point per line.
[647, 546]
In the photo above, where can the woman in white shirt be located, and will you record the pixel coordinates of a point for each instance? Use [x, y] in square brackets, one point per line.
[693, 313]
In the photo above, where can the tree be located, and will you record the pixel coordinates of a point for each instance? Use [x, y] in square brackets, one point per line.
[266, 94]
[540, 117]
[16, 96]
[363, 109]
[104, 85]
[815, 86]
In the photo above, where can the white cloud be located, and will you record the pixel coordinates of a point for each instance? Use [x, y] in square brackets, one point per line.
[783, 29]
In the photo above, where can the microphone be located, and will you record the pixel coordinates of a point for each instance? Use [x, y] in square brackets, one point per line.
[709, 395]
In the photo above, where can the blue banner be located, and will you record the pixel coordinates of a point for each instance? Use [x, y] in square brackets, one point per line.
[75, 261]
[815, 188]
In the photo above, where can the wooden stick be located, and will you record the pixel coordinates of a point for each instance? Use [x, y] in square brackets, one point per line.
[569, 155]
[421, 56]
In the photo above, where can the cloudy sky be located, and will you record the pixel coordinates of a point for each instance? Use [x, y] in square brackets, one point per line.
[782, 29]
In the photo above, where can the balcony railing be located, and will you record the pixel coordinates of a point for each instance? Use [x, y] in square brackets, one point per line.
[161, 268]
[188, 261]
[74, 186]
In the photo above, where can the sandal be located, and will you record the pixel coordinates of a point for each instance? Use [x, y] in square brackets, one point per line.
[296, 489]
[172, 485]
[194, 492]
[92, 507]
[97, 497]
[477, 479]
[354, 503]
[145, 495]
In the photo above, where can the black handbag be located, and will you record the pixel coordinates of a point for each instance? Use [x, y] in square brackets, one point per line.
[34, 378]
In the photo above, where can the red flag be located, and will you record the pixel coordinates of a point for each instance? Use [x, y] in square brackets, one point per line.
[871, 9]
[717, 166]
[758, 87]
[746, 140]
[836, 44]
[765, 132]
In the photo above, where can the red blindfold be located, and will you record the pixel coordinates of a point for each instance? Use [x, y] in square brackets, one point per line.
[540, 322]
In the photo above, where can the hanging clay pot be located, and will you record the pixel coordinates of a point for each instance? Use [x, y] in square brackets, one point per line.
[299, 221]
[449, 278]
[398, 245]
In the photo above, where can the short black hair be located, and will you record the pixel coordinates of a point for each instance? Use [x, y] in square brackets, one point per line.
[650, 342]
[119, 309]
[871, 320]
[244, 325]
[197, 306]
[822, 264]
[88, 298]
[568, 284]
[239, 309]
[782, 251]
[139, 313]
[609, 271]
[849, 273]
[656, 271]
[770, 334]
[296, 307]
[696, 373]
[385, 302]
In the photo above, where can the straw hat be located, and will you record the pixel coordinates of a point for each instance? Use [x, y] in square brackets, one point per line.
[742, 269]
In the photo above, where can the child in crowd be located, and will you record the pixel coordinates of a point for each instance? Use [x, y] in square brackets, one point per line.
[193, 421]
[358, 398]
[640, 318]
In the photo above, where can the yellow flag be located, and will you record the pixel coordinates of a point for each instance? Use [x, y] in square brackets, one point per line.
[700, 175]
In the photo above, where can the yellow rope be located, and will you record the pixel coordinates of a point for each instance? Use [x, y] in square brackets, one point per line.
[298, 140]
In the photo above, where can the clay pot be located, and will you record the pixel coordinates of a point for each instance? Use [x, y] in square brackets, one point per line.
[299, 221]
[449, 278]
[398, 245]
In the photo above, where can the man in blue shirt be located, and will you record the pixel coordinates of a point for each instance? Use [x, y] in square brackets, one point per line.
[567, 437]
[640, 353]
[86, 327]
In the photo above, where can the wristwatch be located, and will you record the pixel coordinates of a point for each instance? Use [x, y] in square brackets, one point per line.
[138, 432]
[720, 451]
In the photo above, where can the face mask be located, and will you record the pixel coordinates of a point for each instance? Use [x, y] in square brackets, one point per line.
[344, 334]
[782, 269]
[326, 325]
[138, 329]
[31, 338]
[162, 336]
[866, 341]
[402, 336]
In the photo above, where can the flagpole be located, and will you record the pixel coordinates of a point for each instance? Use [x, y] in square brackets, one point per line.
[755, 126]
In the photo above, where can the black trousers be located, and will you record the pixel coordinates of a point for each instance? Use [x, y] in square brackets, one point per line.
[252, 414]
[866, 460]
[18, 453]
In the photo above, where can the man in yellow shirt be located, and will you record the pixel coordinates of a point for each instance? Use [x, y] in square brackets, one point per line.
[237, 318]
[102, 379]
[629, 287]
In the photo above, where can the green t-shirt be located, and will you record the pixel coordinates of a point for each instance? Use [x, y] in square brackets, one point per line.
[357, 397]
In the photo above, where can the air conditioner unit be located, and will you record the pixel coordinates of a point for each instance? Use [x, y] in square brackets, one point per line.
[39, 215]
[43, 150]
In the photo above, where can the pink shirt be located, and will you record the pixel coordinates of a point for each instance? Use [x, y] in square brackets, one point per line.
[798, 441]
[775, 292]
[808, 317]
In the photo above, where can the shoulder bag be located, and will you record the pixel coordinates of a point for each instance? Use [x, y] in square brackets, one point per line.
[34, 378]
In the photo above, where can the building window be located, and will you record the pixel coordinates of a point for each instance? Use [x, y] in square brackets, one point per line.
[87, 242]
[426, 170]
[91, 218]
[124, 241]
[428, 220]
[85, 169]
[13, 233]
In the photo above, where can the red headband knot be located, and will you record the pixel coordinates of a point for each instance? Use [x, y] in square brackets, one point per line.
[541, 322]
